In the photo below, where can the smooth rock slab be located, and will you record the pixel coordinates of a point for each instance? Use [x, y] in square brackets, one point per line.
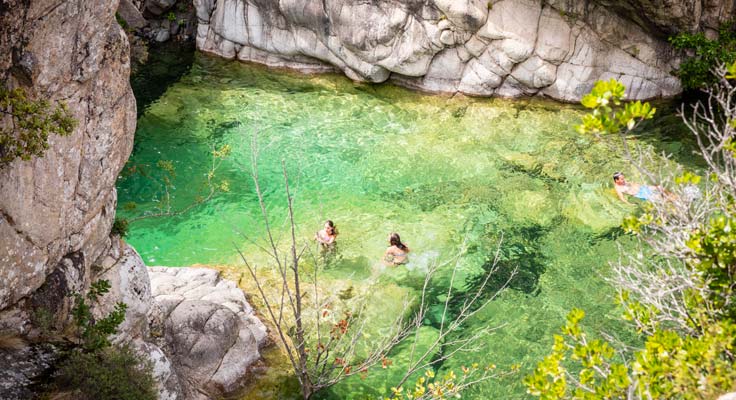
[206, 328]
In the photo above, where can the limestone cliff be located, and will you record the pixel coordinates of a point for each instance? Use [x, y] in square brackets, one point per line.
[56, 213]
[510, 48]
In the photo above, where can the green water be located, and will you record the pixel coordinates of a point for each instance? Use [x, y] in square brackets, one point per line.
[377, 159]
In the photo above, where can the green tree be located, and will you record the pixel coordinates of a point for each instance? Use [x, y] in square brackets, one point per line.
[30, 124]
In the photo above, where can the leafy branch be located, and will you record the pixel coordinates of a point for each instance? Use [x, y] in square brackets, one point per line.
[30, 124]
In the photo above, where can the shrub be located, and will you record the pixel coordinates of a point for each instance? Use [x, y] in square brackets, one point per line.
[120, 227]
[108, 374]
[94, 332]
[695, 70]
[32, 122]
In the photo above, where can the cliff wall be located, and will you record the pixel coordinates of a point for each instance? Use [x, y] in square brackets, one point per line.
[508, 48]
[57, 210]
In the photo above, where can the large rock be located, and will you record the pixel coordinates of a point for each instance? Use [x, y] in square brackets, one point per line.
[206, 328]
[131, 14]
[61, 205]
[555, 48]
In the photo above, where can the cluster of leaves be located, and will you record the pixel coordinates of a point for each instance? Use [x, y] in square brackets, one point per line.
[31, 123]
[120, 226]
[96, 370]
[695, 70]
[669, 366]
[93, 332]
[449, 385]
[608, 116]
[107, 374]
[714, 256]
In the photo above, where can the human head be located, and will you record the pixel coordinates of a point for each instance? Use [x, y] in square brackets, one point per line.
[329, 225]
[617, 177]
[395, 240]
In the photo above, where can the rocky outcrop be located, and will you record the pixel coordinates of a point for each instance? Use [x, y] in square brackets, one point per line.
[56, 213]
[509, 48]
[206, 328]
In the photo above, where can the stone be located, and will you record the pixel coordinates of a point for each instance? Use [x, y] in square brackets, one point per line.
[130, 284]
[210, 332]
[63, 203]
[131, 15]
[554, 39]
[158, 7]
[161, 35]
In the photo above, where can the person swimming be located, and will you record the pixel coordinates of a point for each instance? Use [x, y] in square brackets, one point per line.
[397, 252]
[643, 192]
[327, 236]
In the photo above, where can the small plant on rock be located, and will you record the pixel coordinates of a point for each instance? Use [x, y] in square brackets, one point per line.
[29, 124]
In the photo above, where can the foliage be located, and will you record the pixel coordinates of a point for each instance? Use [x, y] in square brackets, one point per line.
[171, 16]
[714, 256]
[676, 286]
[94, 333]
[669, 366]
[31, 123]
[608, 116]
[695, 70]
[449, 385]
[107, 374]
[120, 227]
[121, 21]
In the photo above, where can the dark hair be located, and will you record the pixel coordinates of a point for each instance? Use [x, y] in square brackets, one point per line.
[331, 225]
[617, 175]
[395, 240]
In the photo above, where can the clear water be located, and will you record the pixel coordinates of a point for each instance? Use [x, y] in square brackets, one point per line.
[377, 159]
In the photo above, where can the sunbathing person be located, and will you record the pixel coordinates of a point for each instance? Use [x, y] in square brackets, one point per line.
[643, 192]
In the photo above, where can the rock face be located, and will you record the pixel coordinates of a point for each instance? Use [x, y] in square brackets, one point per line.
[206, 328]
[56, 213]
[510, 48]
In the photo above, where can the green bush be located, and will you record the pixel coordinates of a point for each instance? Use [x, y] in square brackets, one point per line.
[120, 227]
[108, 374]
[695, 70]
[32, 122]
[93, 332]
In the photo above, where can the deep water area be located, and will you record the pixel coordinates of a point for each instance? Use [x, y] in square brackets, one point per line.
[495, 174]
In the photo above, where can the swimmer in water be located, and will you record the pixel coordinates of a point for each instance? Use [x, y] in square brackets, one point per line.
[327, 236]
[397, 253]
[643, 192]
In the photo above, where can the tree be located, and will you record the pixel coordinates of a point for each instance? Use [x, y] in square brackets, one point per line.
[676, 286]
[324, 338]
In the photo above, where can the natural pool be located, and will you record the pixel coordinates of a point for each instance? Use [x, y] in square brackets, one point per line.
[376, 159]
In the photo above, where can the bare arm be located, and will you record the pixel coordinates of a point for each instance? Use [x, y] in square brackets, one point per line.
[621, 196]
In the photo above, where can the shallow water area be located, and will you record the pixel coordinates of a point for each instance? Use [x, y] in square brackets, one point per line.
[376, 159]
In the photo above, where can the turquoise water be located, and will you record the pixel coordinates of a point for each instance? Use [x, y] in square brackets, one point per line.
[375, 159]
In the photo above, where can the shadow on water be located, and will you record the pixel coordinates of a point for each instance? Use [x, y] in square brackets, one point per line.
[166, 64]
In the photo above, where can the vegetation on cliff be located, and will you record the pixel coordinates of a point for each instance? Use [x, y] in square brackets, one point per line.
[31, 122]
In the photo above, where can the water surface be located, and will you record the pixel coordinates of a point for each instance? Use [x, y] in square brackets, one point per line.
[375, 159]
